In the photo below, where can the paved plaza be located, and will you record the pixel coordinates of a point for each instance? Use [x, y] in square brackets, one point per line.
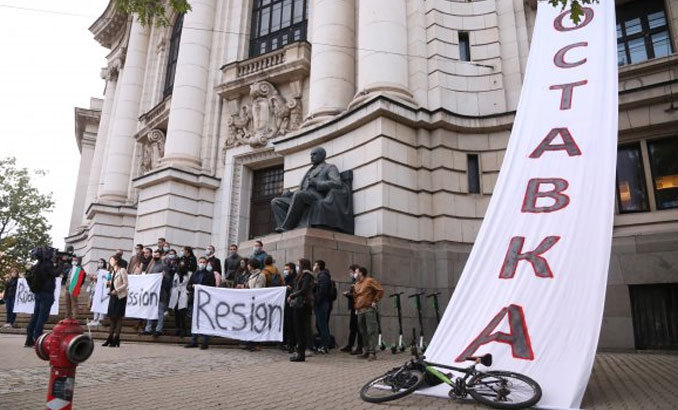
[165, 376]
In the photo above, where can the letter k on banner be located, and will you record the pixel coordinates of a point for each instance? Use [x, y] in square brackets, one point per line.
[533, 289]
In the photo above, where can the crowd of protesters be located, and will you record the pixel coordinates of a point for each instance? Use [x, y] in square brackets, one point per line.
[310, 291]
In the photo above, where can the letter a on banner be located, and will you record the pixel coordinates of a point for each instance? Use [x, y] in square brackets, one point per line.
[535, 279]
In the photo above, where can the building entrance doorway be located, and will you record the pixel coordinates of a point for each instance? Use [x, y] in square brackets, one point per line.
[655, 316]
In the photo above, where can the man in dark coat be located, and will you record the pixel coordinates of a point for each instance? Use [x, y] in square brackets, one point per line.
[231, 265]
[204, 278]
[212, 258]
[323, 304]
[158, 266]
[44, 297]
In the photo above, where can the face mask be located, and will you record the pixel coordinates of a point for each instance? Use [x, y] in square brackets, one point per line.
[233, 252]
[257, 248]
[285, 273]
[166, 249]
[209, 268]
[74, 263]
[173, 256]
[201, 266]
[137, 251]
[100, 265]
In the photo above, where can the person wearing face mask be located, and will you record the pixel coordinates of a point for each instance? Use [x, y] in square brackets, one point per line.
[187, 260]
[242, 275]
[167, 270]
[76, 277]
[231, 265]
[135, 260]
[353, 323]
[178, 297]
[205, 278]
[259, 253]
[166, 248]
[289, 276]
[93, 278]
[214, 261]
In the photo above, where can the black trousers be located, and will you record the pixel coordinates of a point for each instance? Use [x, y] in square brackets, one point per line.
[289, 338]
[302, 328]
[354, 333]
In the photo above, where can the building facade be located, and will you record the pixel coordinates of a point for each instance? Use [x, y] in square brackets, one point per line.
[205, 121]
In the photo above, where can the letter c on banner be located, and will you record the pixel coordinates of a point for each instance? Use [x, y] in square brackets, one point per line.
[559, 57]
[558, 22]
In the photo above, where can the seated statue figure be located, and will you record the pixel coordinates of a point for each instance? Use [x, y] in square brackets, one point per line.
[324, 199]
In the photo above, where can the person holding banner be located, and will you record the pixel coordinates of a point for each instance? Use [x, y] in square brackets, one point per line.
[257, 280]
[117, 302]
[301, 302]
[205, 278]
[165, 290]
[91, 289]
[74, 282]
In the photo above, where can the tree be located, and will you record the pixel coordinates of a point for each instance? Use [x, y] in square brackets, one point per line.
[23, 224]
[149, 10]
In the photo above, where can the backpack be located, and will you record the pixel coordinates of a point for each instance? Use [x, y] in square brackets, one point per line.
[32, 277]
[276, 280]
[333, 291]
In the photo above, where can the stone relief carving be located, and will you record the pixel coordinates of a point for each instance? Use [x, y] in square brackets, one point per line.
[153, 150]
[267, 116]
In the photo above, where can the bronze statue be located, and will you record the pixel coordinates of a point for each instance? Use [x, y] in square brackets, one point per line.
[324, 199]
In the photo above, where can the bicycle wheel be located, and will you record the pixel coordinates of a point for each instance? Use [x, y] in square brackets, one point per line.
[393, 385]
[504, 390]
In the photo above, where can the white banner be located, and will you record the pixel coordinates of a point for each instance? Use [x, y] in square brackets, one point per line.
[100, 298]
[241, 314]
[25, 299]
[143, 296]
[533, 288]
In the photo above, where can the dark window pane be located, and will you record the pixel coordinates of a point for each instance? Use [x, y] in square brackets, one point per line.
[298, 10]
[637, 50]
[661, 44]
[274, 44]
[631, 190]
[656, 20]
[262, 48]
[275, 19]
[621, 54]
[265, 2]
[473, 174]
[464, 47]
[619, 31]
[633, 26]
[172, 55]
[297, 35]
[266, 185]
[285, 39]
[287, 13]
[664, 164]
[265, 21]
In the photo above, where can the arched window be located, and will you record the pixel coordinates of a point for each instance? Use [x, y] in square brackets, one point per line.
[276, 23]
[173, 55]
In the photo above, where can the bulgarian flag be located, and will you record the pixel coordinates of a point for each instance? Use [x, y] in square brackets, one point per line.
[77, 279]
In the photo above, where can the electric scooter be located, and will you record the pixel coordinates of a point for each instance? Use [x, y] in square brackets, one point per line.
[435, 305]
[380, 343]
[417, 305]
[396, 303]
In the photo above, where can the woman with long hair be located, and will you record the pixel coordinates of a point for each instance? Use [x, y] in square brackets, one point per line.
[242, 275]
[301, 302]
[117, 285]
[91, 290]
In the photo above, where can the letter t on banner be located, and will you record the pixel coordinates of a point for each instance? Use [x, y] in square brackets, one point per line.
[542, 253]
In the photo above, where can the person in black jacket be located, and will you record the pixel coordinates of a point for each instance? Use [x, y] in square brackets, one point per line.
[212, 259]
[322, 304]
[289, 275]
[168, 270]
[301, 302]
[44, 295]
[187, 261]
[10, 294]
[204, 278]
[353, 323]
[231, 266]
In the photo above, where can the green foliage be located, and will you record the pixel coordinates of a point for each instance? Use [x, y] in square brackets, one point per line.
[153, 10]
[575, 6]
[23, 224]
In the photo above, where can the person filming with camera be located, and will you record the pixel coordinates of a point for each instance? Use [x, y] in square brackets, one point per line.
[41, 280]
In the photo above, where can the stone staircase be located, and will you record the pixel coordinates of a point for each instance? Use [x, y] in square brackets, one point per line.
[128, 333]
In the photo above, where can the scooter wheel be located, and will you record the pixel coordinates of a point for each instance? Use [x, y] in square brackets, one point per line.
[394, 350]
[402, 348]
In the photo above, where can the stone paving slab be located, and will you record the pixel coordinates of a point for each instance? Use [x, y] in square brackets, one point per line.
[161, 376]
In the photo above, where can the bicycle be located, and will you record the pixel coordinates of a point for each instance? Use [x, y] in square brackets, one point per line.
[497, 389]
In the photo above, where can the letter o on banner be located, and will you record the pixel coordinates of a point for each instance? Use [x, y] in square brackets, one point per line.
[558, 22]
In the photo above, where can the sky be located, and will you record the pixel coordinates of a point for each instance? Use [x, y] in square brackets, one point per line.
[49, 64]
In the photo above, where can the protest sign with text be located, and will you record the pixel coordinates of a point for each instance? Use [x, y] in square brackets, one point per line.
[100, 298]
[25, 299]
[143, 296]
[241, 314]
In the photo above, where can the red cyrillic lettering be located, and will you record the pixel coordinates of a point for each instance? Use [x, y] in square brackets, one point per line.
[568, 145]
[515, 254]
[559, 58]
[568, 91]
[533, 193]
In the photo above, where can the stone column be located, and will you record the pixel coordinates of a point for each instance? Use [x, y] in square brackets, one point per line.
[187, 110]
[121, 142]
[102, 136]
[87, 143]
[332, 83]
[382, 49]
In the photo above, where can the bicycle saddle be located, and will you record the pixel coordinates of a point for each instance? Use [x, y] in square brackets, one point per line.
[485, 360]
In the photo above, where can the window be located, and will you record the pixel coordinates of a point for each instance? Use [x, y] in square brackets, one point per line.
[464, 46]
[276, 23]
[267, 184]
[473, 174]
[173, 55]
[663, 155]
[642, 32]
[631, 189]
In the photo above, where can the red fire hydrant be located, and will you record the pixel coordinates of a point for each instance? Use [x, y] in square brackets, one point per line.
[65, 347]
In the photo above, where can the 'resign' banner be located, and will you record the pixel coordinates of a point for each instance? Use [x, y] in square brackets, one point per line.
[143, 296]
[100, 298]
[24, 301]
[242, 314]
[533, 288]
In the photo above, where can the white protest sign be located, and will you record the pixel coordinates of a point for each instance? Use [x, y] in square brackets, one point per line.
[533, 288]
[143, 296]
[242, 314]
[25, 299]
[100, 298]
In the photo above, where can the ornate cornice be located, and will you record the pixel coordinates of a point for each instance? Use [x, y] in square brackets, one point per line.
[108, 26]
[86, 117]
